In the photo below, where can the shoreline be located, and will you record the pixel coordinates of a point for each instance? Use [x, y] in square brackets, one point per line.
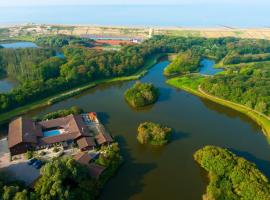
[162, 27]
[6, 116]
[260, 119]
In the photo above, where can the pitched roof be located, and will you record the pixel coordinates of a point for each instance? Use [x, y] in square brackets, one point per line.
[23, 130]
[82, 158]
[95, 170]
[56, 138]
[72, 123]
[103, 138]
[86, 142]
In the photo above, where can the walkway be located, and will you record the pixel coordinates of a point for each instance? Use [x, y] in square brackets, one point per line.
[230, 102]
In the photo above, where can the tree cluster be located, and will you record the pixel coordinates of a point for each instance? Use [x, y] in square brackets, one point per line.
[62, 113]
[152, 133]
[231, 177]
[141, 94]
[186, 62]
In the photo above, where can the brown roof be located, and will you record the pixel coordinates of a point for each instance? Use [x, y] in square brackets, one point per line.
[95, 170]
[56, 138]
[77, 125]
[86, 142]
[73, 124]
[23, 130]
[103, 138]
[83, 158]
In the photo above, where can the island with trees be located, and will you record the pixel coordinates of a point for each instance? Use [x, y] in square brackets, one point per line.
[183, 63]
[153, 133]
[141, 94]
[231, 177]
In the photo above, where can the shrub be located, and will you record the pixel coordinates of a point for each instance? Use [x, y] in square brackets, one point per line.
[29, 154]
[156, 134]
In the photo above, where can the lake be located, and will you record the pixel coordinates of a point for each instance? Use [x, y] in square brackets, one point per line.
[207, 67]
[167, 172]
[16, 45]
[189, 15]
[7, 84]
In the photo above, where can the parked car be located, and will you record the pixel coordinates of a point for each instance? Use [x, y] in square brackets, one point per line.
[36, 163]
[31, 161]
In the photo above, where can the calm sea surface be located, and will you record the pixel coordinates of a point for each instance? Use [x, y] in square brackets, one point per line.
[186, 15]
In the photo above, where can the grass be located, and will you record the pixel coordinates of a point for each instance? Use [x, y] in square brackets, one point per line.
[5, 117]
[191, 83]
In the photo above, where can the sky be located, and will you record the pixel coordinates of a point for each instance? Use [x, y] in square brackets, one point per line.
[4, 3]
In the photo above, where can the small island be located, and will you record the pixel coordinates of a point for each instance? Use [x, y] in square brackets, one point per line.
[152, 133]
[231, 177]
[141, 94]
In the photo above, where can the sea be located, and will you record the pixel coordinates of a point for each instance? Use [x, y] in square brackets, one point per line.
[201, 15]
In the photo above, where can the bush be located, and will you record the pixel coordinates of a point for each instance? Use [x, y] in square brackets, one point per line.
[56, 149]
[62, 113]
[29, 154]
[156, 134]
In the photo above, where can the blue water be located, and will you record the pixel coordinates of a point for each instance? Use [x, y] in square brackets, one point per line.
[51, 133]
[208, 67]
[204, 15]
[16, 45]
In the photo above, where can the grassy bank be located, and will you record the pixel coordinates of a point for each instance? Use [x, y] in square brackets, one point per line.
[5, 117]
[191, 84]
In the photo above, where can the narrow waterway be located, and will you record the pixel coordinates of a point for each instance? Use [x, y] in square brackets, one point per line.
[167, 172]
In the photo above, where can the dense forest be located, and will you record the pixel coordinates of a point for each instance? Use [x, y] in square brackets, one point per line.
[248, 85]
[41, 73]
[231, 177]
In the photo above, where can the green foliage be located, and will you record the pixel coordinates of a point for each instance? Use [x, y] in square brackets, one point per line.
[235, 58]
[110, 156]
[231, 177]
[156, 134]
[10, 190]
[58, 41]
[65, 179]
[248, 85]
[41, 75]
[24, 64]
[29, 154]
[141, 94]
[183, 63]
[62, 113]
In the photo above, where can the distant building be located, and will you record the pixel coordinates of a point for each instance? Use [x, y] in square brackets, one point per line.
[25, 134]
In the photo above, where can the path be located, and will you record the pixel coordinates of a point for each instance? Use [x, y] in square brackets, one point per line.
[230, 102]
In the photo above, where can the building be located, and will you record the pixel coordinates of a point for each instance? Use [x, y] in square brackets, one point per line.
[86, 159]
[26, 134]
